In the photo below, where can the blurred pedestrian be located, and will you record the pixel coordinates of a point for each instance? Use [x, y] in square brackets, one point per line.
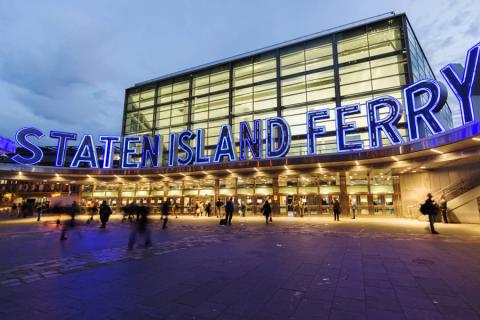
[165, 212]
[140, 227]
[430, 208]
[229, 208]
[353, 205]
[266, 210]
[443, 208]
[208, 208]
[336, 210]
[174, 208]
[39, 211]
[218, 206]
[105, 212]
[71, 223]
[93, 211]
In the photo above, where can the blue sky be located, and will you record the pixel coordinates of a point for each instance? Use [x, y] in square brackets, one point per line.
[65, 65]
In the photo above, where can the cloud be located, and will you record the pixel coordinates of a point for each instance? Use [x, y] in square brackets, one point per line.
[65, 66]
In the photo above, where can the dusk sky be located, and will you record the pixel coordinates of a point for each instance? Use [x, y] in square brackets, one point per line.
[66, 65]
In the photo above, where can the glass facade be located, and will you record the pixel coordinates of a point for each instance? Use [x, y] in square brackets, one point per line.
[346, 67]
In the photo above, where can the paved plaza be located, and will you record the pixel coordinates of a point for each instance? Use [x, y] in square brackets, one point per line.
[310, 268]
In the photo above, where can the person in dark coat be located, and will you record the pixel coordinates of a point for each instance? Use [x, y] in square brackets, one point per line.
[336, 210]
[229, 207]
[443, 208]
[208, 208]
[105, 212]
[165, 212]
[266, 210]
[432, 209]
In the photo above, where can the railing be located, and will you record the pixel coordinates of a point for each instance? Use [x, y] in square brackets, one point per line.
[451, 191]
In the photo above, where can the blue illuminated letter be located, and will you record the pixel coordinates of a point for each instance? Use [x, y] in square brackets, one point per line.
[127, 151]
[21, 138]
[313, 131]
[225, 145]
[108, 150]
[185, 147]
[465, 83]
[282, 138]
[86, 153]
[254, 143]
[200, 157]
[172, 149]
[152, 151]
[344, 127]
[415, 109]
[62, 137]
[387, 124]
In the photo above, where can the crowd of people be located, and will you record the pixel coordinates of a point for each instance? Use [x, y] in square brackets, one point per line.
[138, 214]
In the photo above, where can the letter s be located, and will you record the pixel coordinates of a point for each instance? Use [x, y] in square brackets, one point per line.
[21, 138]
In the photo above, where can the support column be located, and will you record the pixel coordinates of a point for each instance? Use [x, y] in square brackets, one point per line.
[119, 198]
[276, 197]
[397, 197]
[371, 209]
[217, 189]
[165, 191]
[344, 205]
[182, 199]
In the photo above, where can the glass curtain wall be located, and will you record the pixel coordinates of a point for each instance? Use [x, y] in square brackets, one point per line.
[348, 67]
[307, 83]
[421, 70]
[372, 62]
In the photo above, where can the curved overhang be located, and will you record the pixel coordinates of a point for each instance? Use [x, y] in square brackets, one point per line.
[456, 145]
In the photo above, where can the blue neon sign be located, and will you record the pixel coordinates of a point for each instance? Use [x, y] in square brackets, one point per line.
[271, 138]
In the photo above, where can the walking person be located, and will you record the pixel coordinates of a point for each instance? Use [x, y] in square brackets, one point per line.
[266, 210]
[336, 210]
[301, 207]
[218, 206]
[208, 208]
[39, 211]
[243, 208]
[165, 212]
[93, 211]
[174, 208]
[430, 208]
[140, 227]
[443, 208]
[353, 205]
[229, 208]
[70, 224]
[105, 212]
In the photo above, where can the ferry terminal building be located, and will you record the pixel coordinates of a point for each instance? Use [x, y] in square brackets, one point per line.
[339, 67]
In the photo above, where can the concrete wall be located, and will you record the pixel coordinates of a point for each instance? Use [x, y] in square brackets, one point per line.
[415, 186]
[464, 207]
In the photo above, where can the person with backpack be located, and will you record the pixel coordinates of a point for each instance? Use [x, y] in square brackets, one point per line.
[105, 212]
[430, 208]
[266, 210]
